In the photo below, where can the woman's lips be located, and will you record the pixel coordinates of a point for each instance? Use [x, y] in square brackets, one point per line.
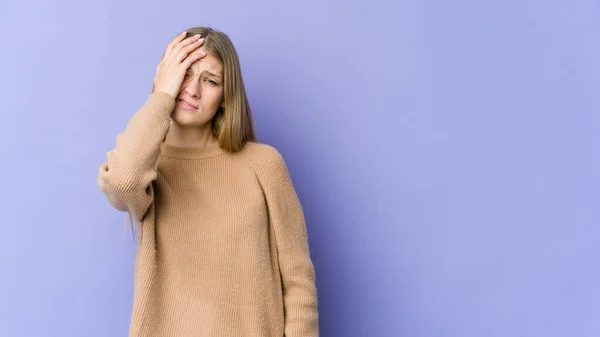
[186, 106]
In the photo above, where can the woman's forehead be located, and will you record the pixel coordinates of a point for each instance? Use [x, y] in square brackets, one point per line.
[207, 63]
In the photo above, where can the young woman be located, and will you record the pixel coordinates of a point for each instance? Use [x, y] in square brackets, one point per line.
[222, 247]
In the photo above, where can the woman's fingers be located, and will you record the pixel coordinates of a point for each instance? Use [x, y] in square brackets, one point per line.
[174, 43]
[186, 50]
[183, 44]
[191, 58]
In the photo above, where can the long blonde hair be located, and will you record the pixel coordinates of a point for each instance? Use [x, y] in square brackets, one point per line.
[232, 124]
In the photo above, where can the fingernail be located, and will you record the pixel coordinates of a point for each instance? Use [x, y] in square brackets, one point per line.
[198, 35]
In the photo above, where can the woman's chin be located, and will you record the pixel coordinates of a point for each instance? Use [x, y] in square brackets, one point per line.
[187, 121]
[190, 118]
[184, 116]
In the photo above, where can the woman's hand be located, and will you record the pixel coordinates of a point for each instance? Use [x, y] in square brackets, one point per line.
[178, 57]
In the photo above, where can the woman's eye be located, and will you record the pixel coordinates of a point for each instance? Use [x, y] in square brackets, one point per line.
[212, 82]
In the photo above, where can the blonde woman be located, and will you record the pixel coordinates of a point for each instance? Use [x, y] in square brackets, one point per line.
[222, 241]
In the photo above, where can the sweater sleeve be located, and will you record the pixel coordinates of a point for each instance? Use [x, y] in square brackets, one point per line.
[126, 176]
[297, 270]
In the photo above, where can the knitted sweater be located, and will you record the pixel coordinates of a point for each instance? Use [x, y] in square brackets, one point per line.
[222, 247]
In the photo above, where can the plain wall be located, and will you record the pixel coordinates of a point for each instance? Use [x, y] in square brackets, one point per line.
[445, 153]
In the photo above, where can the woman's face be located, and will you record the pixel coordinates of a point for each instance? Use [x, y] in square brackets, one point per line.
[202, 87]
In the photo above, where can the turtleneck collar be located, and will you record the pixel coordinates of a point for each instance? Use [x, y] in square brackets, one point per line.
[172, 151]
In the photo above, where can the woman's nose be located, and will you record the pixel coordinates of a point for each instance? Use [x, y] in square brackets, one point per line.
[193, 88]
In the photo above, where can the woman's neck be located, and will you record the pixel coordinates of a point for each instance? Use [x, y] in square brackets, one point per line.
[190, 137]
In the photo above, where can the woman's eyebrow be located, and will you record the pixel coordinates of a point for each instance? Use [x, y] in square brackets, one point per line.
[206, 71]
[215, 75]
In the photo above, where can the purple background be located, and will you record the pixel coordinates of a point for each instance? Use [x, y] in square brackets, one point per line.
[445, 153]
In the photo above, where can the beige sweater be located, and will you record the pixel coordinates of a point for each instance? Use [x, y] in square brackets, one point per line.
[223, 247]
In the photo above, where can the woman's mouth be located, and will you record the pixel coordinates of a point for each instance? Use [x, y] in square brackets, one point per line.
[186, 106]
